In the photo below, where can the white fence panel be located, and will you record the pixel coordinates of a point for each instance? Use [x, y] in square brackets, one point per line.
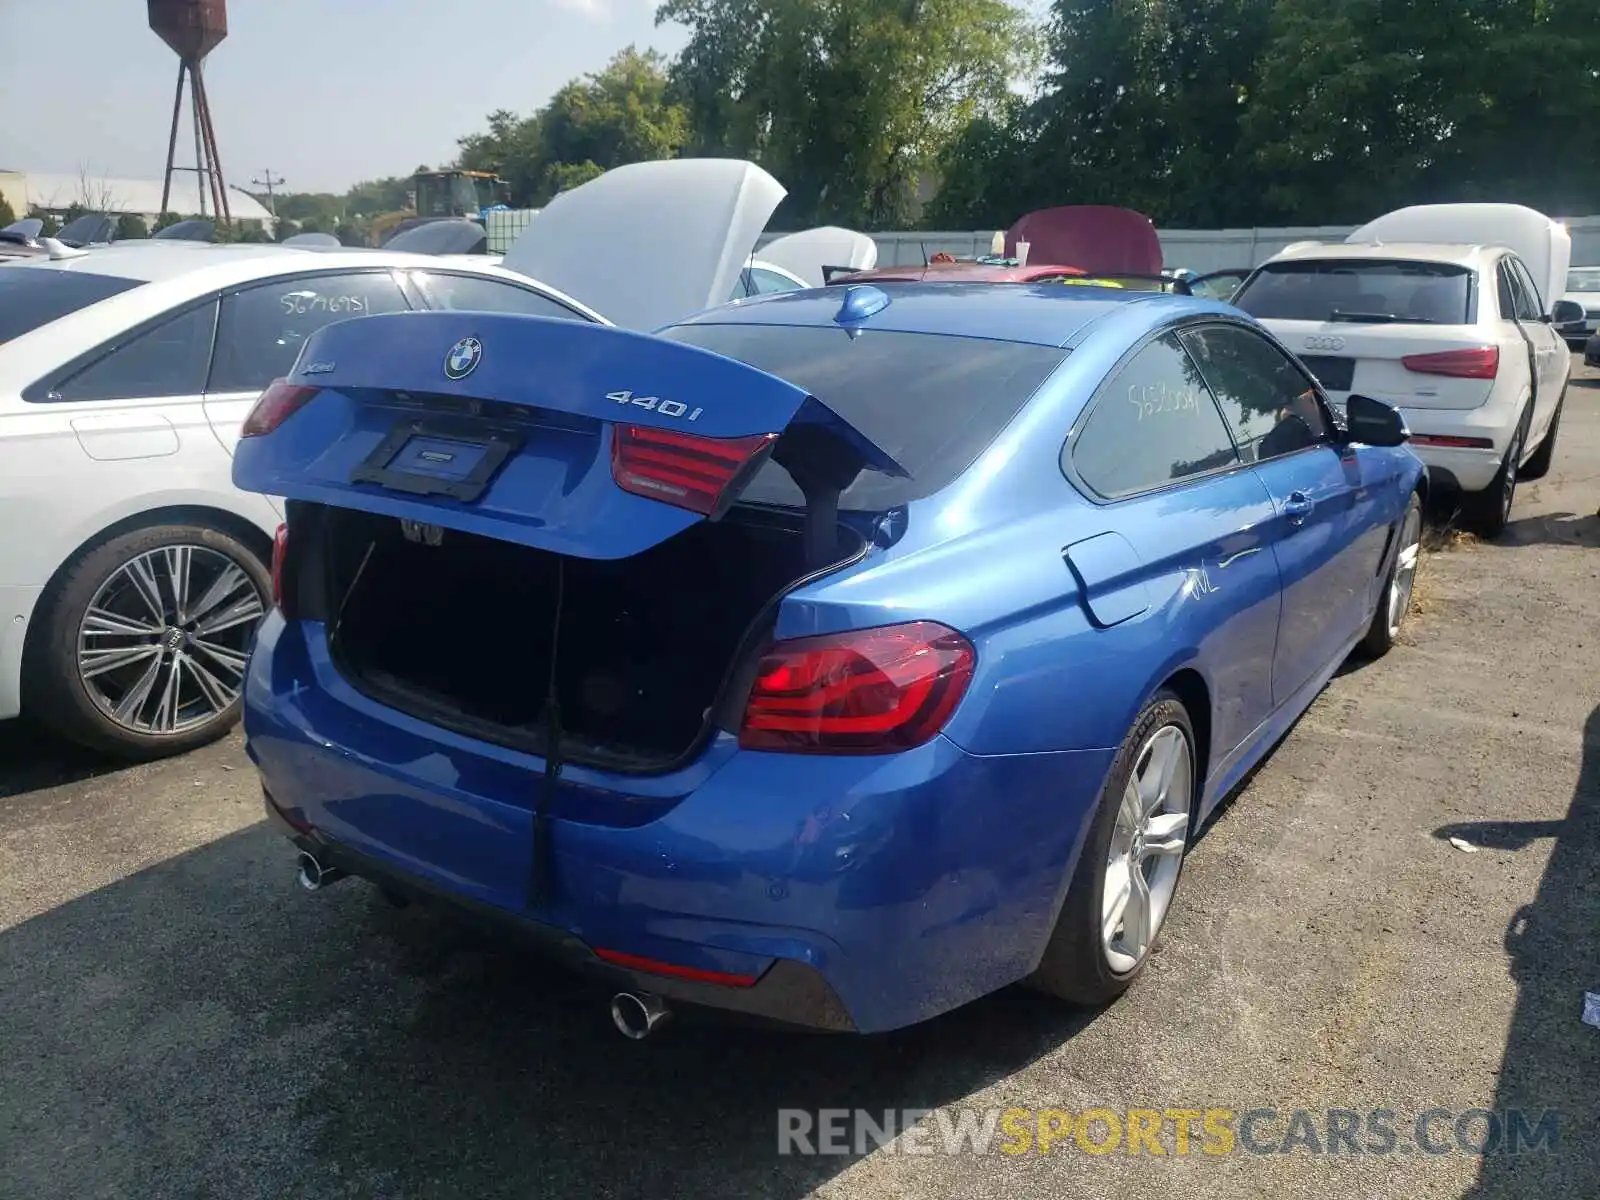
[1198, 249]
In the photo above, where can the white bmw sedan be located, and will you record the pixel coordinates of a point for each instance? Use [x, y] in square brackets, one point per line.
[132, 573]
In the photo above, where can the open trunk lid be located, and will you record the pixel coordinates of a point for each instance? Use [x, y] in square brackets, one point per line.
[580, 439]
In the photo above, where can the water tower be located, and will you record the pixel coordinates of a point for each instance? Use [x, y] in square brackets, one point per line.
[193, 28]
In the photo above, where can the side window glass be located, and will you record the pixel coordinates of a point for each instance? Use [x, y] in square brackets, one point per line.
[1531, 308]
[1507, 291]
[770, 281]
[261, 330]
[1151, 423]
[168, 360]
[466, 293]
[1270, 404]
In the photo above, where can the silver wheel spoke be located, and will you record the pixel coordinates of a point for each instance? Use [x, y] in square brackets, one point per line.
[133, 700]
[217, 693]
[1156, 781]
[1166, 833]
[166, 718]
[1119, 890]
[144, 582]
[224, 586]
[232, 659]
[100, 621]
[1136, 921]
[178, 561]
[246, 609]
[98, 662]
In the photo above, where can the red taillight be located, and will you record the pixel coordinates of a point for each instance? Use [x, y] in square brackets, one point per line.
[1482, 362]
[1451, 441]
[276, 405]
[683, 469]
[280, 551]
[871, 691]
[652, 966]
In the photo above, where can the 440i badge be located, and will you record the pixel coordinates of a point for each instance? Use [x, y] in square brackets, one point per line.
[463, 358]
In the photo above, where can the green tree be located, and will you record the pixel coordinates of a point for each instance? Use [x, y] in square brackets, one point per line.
[131, 225]
[620, 114]
[7, 213]
[51, 225]
[849, 102]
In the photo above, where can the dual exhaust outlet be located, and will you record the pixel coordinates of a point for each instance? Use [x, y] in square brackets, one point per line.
[635, 1014]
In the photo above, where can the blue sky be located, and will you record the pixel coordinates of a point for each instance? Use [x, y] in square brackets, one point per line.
[324, 92]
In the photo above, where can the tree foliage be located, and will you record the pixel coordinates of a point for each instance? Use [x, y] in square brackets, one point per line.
[1200, 113]
[7, 213]
[850, 103]
[1238, 112]
[620, 114]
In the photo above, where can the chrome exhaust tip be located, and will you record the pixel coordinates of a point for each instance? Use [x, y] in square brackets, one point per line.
[312, 875]
[637, 1015]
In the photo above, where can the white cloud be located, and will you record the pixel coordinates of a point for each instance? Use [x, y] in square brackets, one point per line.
[595, 10]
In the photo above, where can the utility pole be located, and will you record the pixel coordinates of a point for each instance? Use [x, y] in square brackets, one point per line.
[269, 183]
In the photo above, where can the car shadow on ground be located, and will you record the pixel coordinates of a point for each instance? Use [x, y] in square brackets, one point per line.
[1552, 1059]
[33, 758]
[1560, 529]
[211, 1030]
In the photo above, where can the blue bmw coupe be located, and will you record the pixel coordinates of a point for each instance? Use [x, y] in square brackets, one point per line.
[836, 657]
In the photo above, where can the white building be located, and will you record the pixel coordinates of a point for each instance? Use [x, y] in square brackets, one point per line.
[25, 190]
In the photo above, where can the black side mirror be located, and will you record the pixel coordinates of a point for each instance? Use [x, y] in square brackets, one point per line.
[1374, 423]
[1566, 312]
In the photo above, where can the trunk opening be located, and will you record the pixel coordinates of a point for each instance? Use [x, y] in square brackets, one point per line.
[457, 629]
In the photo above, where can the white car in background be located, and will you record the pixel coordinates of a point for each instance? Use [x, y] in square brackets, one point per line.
[1439, 311]
[1583, 289]
[132, 573]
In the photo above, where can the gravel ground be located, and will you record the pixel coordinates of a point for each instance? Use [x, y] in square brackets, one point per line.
[178, 1020]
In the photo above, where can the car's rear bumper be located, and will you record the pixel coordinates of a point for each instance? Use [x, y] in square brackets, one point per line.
[1467, 468]
[861, 893]
[790, 992]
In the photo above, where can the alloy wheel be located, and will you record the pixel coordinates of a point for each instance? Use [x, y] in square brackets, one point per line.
[163, 644]
[1404, 581]
[1147, 845]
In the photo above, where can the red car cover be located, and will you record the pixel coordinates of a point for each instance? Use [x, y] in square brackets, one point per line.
[1101, 239]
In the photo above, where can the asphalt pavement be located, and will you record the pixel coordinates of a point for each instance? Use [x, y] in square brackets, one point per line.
[178, 1019]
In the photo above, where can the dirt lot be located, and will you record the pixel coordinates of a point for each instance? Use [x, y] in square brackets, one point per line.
[179, 1020]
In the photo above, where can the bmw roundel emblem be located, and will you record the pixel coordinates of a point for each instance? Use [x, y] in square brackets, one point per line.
[463, 358]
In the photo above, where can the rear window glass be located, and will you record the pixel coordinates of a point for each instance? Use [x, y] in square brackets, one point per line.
[933, 403]
[1360, 290]
[31, 298]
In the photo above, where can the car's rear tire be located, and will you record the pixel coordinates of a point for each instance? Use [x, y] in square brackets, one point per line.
[1538, 466]
[1085, 961]
[1489, 512]
[1394, 602]
[141, 643]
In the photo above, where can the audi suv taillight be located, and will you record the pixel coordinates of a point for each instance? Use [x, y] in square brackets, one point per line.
[869, 691]
[1481, 362]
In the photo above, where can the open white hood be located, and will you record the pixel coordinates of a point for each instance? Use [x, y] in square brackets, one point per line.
[650, 243]
[804, 254]
[1545, 246]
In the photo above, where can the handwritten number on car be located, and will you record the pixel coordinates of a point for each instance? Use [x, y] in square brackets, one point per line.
[667, 408]
[1151, 400]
